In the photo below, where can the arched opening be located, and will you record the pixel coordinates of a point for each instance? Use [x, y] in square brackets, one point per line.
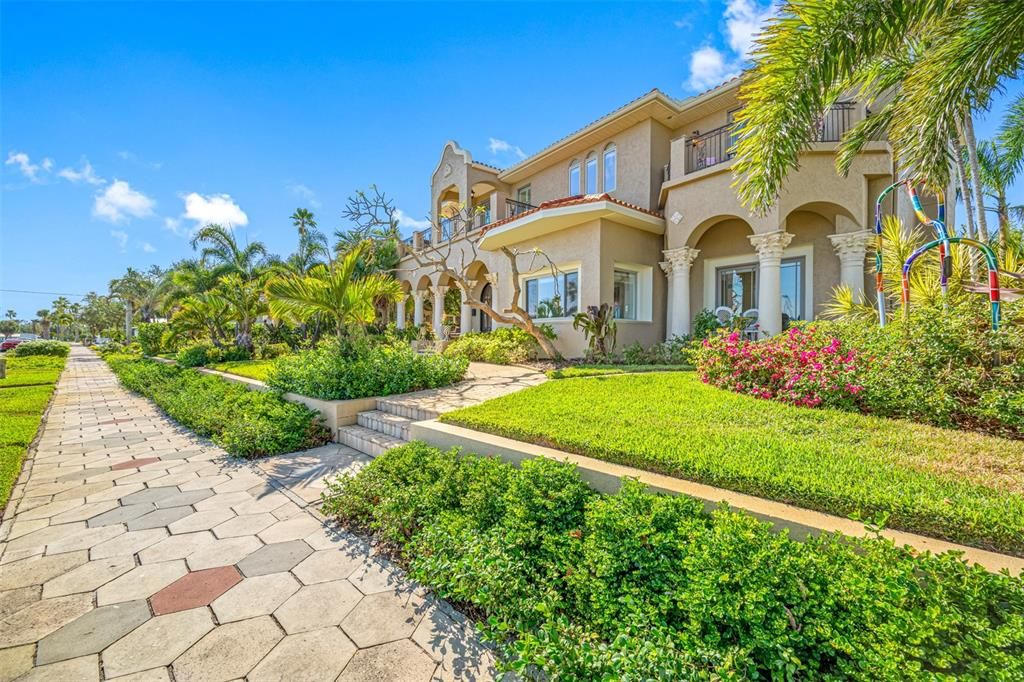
[449, 211]
[813, 268]
[487, 297]
[724, 277]
[481, 196]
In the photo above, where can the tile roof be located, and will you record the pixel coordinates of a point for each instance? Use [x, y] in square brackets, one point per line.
[577, 200]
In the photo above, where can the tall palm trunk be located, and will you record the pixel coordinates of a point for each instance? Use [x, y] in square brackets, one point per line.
[1003, 210]
[961, 176]
[972, 158]
[128, 314]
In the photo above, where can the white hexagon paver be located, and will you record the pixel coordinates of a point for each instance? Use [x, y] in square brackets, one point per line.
[156, 642]
[253, 597]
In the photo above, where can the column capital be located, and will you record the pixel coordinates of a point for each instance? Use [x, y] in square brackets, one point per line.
[681, 258]
[492, 278]
[771, 244]
[851, 246]
[440, 289]
[470, 284]
[666, 267]
[420, 294]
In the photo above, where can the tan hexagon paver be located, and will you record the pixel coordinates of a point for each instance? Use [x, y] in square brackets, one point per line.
[229, 652]
[400, 661]
[204, 520]
[16, 661]
[37, 570]
[141, 582]
[383, 617]
[245, 524]
[223, 552]
[84, 669]
[314, 655]
[88, 577]
[19, 598]
[316, 606]
[252, 597]
[128, 543]
[40, 618]
[157, 642]
[176, 547]
[326, 565]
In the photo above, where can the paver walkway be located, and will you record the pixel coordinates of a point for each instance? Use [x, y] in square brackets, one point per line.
[134, 550]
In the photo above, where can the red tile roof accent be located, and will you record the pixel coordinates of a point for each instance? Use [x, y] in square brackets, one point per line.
[577, 200]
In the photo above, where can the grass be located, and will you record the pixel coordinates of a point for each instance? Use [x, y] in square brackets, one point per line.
[965, 487]
[253, 369]
[577, 371]
[24, 395]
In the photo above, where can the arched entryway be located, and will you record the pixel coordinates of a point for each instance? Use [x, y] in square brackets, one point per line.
[486, 296]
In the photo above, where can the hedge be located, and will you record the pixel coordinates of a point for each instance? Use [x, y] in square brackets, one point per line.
[55, 348]
[573, 585]
[243, 422]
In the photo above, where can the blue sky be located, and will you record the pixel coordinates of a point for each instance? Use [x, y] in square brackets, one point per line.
[125, 125]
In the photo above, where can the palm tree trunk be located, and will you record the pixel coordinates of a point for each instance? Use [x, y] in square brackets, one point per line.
[127, 321]
[1004, 220]
[961, 176]
[972, 158]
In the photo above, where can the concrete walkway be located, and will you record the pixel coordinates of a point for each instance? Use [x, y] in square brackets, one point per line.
[133, 550]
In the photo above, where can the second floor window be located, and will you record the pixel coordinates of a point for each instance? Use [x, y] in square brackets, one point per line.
[523, 195]
[609, 168]
[591, 174]
[574, 178]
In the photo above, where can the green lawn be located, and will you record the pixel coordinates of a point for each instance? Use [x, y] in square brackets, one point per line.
[577, 371]
[962, 486]
[254, 369]
[24, 394]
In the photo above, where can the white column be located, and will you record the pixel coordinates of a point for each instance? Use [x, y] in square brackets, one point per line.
[400, 313]
[666, 267]
[439, 292]
[769, 295]
[417, 309]
[851, 247]
[681, 260]
[466, 312]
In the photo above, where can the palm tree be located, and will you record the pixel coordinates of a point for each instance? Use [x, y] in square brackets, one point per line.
[221, 247]
[135, 290]
[202, 314]
[998, 171]
[43, 315]
[244, 303]
[956, 54]
[303, 221]
[333, 290]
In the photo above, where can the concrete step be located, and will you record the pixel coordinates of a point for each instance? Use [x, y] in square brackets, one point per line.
[389, 424]
[367, 441]
[408, 410]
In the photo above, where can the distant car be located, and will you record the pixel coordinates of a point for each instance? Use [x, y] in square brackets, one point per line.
[10, 343]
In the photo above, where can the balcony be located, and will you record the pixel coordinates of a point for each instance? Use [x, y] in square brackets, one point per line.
[514, 208]
[715, 146]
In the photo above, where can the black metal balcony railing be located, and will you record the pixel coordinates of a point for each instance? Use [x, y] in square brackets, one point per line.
[514, 208]
[715, 146]
[426, 235]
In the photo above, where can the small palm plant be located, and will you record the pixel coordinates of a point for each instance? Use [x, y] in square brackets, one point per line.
[599, 329]
[334, 291]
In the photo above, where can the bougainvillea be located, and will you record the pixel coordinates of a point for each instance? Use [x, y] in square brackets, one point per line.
[801, 367]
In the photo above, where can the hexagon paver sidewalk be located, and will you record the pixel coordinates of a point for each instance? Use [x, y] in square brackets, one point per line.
[132, 547]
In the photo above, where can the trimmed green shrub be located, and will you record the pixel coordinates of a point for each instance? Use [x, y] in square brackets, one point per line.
[57, 348]
[503, 346]
[572, 585]
[332, 373]
[150, 336]
[243, 422]
[273, 350]
[194, 354]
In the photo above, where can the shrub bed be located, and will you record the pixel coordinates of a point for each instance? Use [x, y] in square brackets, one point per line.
[54, 348]
[24, 395]
[635, 586]
[331, 373]
[938, 366]
[961, 486]
[243, 422]
[503, 346]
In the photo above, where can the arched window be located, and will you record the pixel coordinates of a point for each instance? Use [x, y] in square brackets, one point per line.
[574, 178]
[591, 177]
[609, 168]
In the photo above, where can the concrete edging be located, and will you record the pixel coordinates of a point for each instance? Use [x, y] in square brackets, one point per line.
[606, 477]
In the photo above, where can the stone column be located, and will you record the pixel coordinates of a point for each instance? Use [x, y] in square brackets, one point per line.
[400, 313]
[417, 310]
[439, 291]
[851, 247]
[466, 313]
[681, 260]
[666, 267]
[769, 296]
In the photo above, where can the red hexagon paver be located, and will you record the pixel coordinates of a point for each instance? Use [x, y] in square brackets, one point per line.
[195, 589]
[134, 463]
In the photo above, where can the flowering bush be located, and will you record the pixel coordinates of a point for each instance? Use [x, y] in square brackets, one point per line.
[804, 367]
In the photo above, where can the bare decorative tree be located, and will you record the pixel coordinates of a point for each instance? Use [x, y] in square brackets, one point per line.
[454, 256]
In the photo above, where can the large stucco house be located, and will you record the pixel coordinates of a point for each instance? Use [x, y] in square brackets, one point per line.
[637, 210]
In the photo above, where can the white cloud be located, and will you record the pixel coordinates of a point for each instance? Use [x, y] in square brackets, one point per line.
[174, 225]
[119, 201]
[86, 174]
[744, 20]
[708, 68]
[148, 248]
[407, 221]
[121, 237]
[24, 163]
[47, 164]
[134, 158]
[305, 193]
[502, 147]
[215, 208]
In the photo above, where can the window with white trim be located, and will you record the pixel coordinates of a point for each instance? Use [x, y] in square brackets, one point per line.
[574, 178]
[552, 296]
[625, 294]
[609, 168]
[523, 195]
[591, 187]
